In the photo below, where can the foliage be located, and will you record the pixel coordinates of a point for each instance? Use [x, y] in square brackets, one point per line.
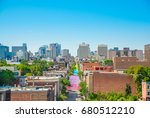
[6, 77]
[107, 62]
[62, 97]
[50, 63]
[110, 97]
[3, 63]
[65, 82]
[128, 90]
[139, 74]
[83, 88]
[23, 68]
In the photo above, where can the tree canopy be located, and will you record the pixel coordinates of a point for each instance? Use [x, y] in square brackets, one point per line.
[107, 62]
[139, 74]
[6, 77]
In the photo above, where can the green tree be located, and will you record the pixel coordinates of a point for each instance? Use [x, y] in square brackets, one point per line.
[83, 88]
[107, 62]
[128, 90]
[139, 74]
[3, 63]
[6, 77]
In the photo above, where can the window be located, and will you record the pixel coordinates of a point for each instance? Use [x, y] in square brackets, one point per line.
[148, 93]
[0, 96]
[148, 86]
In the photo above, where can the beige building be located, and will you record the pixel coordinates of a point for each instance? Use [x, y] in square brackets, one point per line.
[147, 52]
[83, 51]
[102, 50]
[146, 91]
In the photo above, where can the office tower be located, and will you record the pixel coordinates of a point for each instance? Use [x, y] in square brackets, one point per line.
[19, 50]
[83, 50]
[54, 50]
[15, 49]
[42, 51]
[102, 50]
[4, 51]
[147, 52]
[65, 53]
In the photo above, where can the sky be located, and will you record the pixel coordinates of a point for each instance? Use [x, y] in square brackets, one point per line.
[117, 23]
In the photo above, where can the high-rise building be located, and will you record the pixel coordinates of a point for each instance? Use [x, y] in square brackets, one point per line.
[65, 53]
[42, 51]
[83, 50]
[147, 52]
[15, 49]
[102, 50]
[19, 50]
[54, 50]
[4, 51]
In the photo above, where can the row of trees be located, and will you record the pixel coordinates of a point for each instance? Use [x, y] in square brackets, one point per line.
[112, 96]
[37, 67]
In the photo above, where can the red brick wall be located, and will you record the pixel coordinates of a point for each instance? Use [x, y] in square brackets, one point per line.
[121, 63]
[111, 82]
[29, 96]
[89, 66]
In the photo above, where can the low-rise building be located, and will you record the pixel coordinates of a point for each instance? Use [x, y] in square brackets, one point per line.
[5, 94]
[32, 94]
[106, 82]
[123, 63]
[146, 91]
[89, 65]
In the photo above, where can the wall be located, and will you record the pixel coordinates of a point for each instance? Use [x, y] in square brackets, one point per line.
[110, 82]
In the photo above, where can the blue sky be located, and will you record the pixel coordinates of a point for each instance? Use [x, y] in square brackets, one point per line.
[122, 23]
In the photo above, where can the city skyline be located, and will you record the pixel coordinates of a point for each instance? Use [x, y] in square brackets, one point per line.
[115, 23]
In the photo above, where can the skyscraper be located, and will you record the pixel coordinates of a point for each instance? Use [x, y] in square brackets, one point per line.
[20, 50]
[147, 52]
[83, 50]
[102, 50]
[65, 52]
[15, 49]
[55, 50]
[42, 51]
[4, 50]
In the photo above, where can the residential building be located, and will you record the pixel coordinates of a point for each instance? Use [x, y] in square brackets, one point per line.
[83, 51]
[102, 50]
[32, 94]
[89, 65]
[123, 63]
[146, 91]
[106, 82]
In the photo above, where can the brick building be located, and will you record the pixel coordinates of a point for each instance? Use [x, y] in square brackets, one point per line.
[123, 63]
[110, 82]
[89, 65]
[32, 95]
